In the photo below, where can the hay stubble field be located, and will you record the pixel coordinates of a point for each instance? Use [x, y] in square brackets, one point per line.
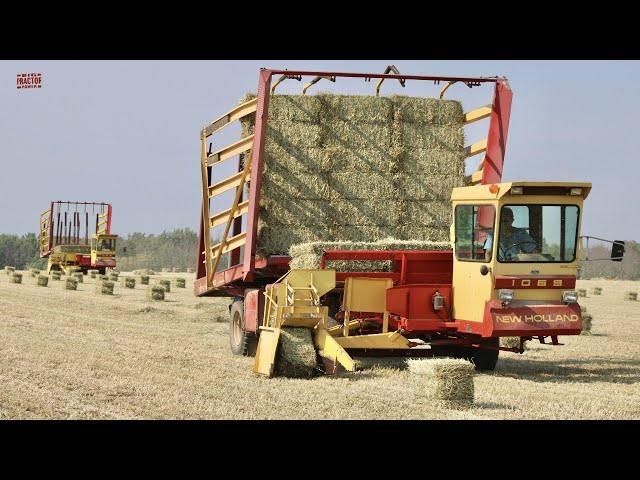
[75, 354]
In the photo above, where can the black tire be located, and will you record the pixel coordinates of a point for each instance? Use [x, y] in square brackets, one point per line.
[486, 359]
[242, 343]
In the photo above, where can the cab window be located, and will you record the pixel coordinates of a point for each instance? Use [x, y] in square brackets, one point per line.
[474, 226]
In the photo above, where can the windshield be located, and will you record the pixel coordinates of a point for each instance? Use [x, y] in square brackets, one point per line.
[538, 233]
[106, 244]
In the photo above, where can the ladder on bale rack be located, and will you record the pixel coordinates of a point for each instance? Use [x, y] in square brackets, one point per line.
[211, 278]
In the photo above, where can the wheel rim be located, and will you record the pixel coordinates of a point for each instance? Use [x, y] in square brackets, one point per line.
[237, 329]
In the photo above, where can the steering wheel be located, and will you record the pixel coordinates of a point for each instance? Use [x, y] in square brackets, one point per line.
[503, 250]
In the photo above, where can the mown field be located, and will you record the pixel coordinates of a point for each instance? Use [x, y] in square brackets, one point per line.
[75, 354]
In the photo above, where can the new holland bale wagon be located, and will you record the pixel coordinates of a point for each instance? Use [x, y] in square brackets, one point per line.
[510, 271]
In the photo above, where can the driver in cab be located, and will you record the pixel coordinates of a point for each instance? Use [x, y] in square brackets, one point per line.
[513, 240]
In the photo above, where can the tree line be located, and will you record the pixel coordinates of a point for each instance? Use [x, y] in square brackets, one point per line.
[178, 248]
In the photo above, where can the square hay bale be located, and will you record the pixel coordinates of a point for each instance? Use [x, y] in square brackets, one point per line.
[596, 291]
[34, 272]
[296, 354]
[102, 277]
[426, 110]
[346, 153]
[43, 280]
[93, 273]
[166, 284]
[79, 276]
[156, 292]
[308, 255]
[446, 381]
[366, 109]
[71, 283]
[587, 321]
[105, 287]
[512, 342]
[144, 279]
[9, 270]
[15, 277]
[56, 275]
[631, 296]
[113, 277]
[181, 283]
[582, 292]
[129, 282]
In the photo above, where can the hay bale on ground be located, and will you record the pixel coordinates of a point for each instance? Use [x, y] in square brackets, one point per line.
[34, 272]
[165, 270]
[15, 277]
[105, 287]
[296, 356]
[596, 291]
[308, 255]
[166, 284]
[582, 292]
[130, 282]
[56, 275]
[512, 342]
[9, 270]
[93, 273]
[181, 283]
[113, 277]
[587, 320]
[71, 283]
[144, 279]
[43, 280]
[102, 277]
[79, 276]
[189, 270]
[449, 382]
[156, 292]
[632, 296]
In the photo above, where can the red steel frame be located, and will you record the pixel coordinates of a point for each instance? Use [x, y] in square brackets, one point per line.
[235, 279]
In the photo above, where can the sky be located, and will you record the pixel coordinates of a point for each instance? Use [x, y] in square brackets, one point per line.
[127, 132]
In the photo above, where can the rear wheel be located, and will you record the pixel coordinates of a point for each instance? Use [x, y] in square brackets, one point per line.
[242, 343]
[486, 359]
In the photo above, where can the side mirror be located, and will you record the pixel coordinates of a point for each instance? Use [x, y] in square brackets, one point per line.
[617, 251]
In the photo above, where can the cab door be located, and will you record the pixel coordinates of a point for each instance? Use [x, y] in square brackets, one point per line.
[473, 256]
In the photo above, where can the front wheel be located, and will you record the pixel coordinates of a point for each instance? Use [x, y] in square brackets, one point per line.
[242, 343]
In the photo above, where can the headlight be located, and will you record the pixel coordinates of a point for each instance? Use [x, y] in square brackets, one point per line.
[570, 296]
[505, 296]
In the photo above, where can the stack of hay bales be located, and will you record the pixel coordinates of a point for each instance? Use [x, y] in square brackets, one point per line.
[359, 168]
[308, 255]
[445, 381]
[71, 283]
[296, 356]
[16, 277]
[632, 296]
[43, 280]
